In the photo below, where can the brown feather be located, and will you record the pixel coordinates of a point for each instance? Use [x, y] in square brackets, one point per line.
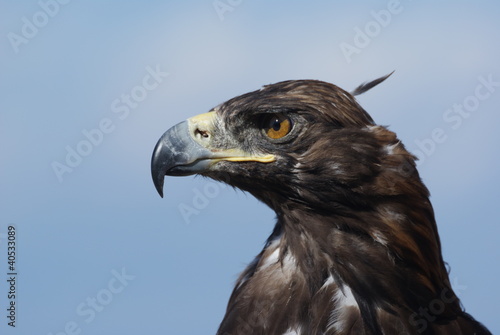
[355, 249]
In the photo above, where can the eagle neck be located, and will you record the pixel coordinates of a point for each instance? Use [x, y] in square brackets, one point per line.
[328, 247]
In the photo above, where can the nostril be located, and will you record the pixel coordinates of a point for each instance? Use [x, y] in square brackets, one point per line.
[201, 133]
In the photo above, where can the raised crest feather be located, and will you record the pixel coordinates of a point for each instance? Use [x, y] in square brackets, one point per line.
[367, 86]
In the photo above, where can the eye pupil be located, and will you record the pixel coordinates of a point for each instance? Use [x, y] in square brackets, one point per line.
[276, 124]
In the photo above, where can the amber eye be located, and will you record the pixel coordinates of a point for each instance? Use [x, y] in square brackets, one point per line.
[276, 126]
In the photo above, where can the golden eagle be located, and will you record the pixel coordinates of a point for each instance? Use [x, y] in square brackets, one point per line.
[355, 249]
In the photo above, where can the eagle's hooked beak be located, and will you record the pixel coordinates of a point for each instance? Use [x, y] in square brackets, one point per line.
[186, 149]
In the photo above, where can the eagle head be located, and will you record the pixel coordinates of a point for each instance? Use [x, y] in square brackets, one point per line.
[355, 249]
[277, 141]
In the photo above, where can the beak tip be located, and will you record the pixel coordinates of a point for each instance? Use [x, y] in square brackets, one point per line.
[158, 181]
[158, 167]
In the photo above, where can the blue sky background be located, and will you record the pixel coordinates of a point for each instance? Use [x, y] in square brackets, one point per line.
[105, 214]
